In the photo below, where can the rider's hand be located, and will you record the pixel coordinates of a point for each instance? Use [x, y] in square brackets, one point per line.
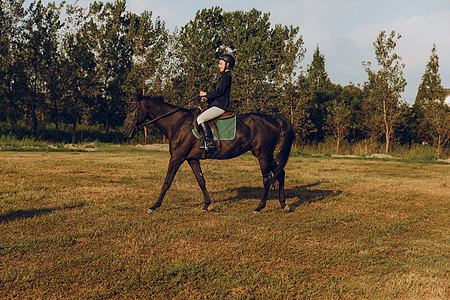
[204, 99]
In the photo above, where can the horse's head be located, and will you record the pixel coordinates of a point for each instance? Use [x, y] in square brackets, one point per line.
[133, 117]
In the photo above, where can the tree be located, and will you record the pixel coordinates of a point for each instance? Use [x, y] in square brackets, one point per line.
[80, 73]
[317, 75]
[114, 53]
[198, 45]
[266, 59]
[425, 107]
[11, 15]
[338, 120]
[297, 97]
[52, 64]
[322, 92]
[40, 52]
[247, 34]
[438, 114]
[430, 89]
[353, 97]
[265, 56]
[287, 52]
[148, 41]
[385, 85]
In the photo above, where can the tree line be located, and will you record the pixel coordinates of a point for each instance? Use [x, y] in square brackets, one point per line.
[67, 65]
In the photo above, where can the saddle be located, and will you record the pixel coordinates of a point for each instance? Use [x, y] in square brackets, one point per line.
[223, 127]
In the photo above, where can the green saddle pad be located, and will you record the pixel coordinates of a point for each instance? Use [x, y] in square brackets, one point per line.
[226, 127]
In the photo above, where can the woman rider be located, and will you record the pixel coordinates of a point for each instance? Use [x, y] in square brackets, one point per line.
[218, 101]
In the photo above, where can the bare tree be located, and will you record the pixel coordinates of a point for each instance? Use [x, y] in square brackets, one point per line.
[386, 84]
[438, 114]
[338, 120]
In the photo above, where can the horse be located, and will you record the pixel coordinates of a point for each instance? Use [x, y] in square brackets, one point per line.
[255, 132]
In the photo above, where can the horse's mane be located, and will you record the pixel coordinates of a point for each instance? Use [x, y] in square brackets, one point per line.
[160, 98]
[153, 97]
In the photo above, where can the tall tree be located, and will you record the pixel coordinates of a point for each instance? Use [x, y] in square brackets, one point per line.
[266, 58]
[52, 63]
[322, 92]
[297, 98]
[430, 89]
[80, 71]
[438, 114]
[247, 34]
[317, 75]
[198, 45]
[287, 52]
[353, 98]
[427, 105]
[114, 59]
[40, 52]
[148, 40]
[338, 120]
[11, 15]
[386, 84]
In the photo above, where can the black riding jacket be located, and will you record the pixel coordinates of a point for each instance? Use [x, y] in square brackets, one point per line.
[220, 97]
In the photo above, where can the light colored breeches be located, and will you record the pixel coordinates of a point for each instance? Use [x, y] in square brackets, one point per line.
[209, 114]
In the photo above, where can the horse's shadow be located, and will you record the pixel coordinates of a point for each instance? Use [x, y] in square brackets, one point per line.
[30, 213]
[295, 196]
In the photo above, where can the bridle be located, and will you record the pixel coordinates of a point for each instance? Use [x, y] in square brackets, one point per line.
[134, 115]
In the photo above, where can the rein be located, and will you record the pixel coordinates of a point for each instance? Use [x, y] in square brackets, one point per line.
[158, 118]
[163, 116]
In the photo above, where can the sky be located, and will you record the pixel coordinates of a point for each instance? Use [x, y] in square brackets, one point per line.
[344, 30]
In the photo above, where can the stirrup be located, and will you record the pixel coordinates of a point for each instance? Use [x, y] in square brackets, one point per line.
[208, 148]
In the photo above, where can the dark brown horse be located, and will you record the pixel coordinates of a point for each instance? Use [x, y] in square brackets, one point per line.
[255, 132]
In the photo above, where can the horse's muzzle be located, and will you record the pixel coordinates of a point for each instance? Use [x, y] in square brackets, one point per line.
[128, 133]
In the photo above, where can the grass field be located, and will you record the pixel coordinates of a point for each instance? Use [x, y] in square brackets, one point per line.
[73, 226]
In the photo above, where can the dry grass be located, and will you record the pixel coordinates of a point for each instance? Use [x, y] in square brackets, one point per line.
[73, 227]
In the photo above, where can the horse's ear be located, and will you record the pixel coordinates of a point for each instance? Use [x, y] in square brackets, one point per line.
[138, 95]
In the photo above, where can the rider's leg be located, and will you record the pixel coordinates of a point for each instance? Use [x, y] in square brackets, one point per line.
[209, 114]
[208, 144]
[202, 120]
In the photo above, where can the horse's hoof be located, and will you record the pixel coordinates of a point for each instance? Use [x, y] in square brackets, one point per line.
[150, 211]
[287, 209]
[205, 210]
[256, 211]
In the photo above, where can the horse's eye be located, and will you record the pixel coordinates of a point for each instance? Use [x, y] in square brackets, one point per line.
[132, 108]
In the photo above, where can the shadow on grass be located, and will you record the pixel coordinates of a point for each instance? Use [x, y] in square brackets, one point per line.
[299, 194]
[30, 213]
[304, 194]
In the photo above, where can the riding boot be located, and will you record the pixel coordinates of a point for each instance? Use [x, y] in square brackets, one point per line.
[208, 140]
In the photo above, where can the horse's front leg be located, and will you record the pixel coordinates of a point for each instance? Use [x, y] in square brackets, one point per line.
[195, 166]
[174, 165]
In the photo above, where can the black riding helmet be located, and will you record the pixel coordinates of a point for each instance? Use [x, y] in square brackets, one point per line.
[228, 58]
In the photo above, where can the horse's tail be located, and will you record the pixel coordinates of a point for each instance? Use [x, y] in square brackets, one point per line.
[282, 158]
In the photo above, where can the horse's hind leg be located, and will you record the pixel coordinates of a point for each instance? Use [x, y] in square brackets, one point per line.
[280, 178]
[195, 166]
[265, 170]
[281, 195]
